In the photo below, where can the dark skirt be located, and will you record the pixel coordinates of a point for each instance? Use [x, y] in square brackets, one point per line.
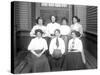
[73, 61]
[38, 64]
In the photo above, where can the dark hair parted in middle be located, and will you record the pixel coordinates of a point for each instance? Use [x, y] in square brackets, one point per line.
[53, 16]
[38, 30]
[64, 18]
[76, 33]
[57, 30]
[38, 19]
[78, 20]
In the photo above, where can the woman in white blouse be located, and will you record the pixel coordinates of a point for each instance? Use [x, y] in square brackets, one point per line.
[65, 31]
[75, 57]
[56, 50]
[39, 25]
[37, 47]
[76, 25]
[52, 26]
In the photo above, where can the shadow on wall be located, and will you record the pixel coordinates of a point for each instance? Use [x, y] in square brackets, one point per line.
[22, 42]
[91, 44]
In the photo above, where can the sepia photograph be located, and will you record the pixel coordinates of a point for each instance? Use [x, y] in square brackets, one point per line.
[53, 37]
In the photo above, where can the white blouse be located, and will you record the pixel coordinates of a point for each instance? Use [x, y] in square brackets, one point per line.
[75, 44]
[77, 27]
[51, 27]
[43, 28]
[53, 45]
[65, 30]
[38, 44]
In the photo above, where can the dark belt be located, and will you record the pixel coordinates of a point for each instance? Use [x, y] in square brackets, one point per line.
[38, 51]
[72, 50]
[52, 34]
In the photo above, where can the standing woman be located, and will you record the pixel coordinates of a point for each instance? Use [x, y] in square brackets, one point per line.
[37, 60]
[65, 31]
[75, 57]
[52, 26]
[76, 25]
[39, 25]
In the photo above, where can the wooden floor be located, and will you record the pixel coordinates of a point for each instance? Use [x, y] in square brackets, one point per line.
[91, 61]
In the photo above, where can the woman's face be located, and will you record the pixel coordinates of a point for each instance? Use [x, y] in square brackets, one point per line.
[74, 20]
[73, 35]
[53, 18]
[40, 21]
[64, 22]
[57, 33]
[39, 34]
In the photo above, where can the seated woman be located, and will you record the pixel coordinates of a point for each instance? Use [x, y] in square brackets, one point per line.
[75, 57]
[37, 60]
[56, 50]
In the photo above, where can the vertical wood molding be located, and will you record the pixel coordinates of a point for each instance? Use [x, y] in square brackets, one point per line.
[70, 14]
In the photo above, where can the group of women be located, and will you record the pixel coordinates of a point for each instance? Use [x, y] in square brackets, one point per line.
[56, 46]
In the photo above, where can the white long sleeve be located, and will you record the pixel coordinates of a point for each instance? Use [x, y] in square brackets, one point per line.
[77, 27]
[53, 46]
[65, 30]
[43, 28]
[77, 44]
[52, 26]
[38, 44]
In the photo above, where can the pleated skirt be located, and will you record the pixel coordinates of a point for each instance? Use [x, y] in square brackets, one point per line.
[73, 61]
[38, 64]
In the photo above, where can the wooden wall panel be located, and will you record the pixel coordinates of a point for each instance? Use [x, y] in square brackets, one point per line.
[22, 14]
[92, 19]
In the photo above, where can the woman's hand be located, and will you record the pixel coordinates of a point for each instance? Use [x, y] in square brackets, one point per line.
[38, 55]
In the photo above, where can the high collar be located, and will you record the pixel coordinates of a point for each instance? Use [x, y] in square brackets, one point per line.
[38, 38]
[53, 22]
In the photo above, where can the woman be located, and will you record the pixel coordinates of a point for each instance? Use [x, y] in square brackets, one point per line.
[51, 27]
[75, 56]
[65, 31]
[39, 25]
[76, 25]
[37, 59]
[56, 50]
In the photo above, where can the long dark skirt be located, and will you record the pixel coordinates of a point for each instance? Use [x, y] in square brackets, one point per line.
[73, 61]
[38, 64]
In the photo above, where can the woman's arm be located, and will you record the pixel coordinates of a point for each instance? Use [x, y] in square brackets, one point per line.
[80, 47]
[63, 47]
[83, 57]
[35, 53]
[32, 33]
[69, 45]
[81, 30]
[42, 52]
[30, 48]
[51, 49]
